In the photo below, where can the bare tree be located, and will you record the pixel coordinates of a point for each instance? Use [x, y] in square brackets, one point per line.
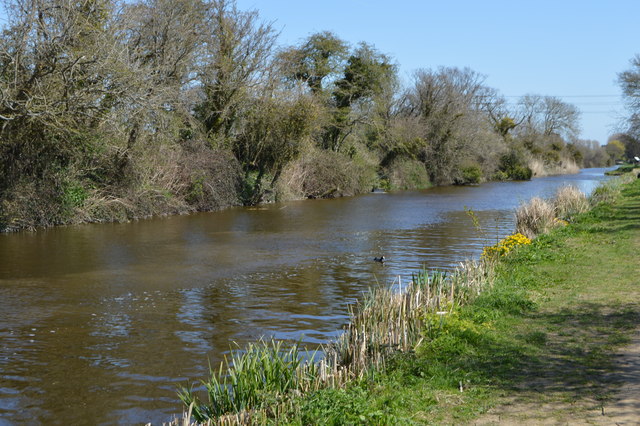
[630, 82]
[547, 116]
[164, 41]
[52, 62]
[501, 117]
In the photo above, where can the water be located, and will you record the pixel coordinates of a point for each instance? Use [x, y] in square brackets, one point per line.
[99, 324]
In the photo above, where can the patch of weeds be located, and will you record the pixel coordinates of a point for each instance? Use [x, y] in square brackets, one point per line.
[342, 406]
[503, 299]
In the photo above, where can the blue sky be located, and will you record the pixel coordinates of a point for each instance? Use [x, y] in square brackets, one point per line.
[565, 48]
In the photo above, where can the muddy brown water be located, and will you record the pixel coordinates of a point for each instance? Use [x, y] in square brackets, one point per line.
[100, 324]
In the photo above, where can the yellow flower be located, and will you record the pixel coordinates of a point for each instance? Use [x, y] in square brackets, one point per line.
[504, 246]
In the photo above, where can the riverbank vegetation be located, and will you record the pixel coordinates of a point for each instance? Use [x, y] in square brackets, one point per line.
[118, 110]
[541, 314]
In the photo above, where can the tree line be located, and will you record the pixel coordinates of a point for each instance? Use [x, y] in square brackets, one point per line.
[626, 144]
[112, 110]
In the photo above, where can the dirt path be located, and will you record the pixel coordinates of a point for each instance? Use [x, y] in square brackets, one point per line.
[535, 407]
[624, 407]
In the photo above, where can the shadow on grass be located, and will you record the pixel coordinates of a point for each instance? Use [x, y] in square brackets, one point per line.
[562, 356]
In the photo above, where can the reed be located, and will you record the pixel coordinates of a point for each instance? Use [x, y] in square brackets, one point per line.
[538, 215]
[388, 321]
[569, 202]
[535, 217]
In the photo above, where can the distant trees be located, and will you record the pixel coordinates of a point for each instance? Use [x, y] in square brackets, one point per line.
[630, 143]
[547, 116]
[589, 153]
[615, 149]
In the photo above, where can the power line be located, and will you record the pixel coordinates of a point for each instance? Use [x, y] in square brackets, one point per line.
[569, 96]
[597, 112]
[585, 103]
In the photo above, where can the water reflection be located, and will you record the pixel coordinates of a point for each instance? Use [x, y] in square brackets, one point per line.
[101, 323]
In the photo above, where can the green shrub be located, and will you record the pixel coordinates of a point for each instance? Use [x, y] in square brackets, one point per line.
[471, 175]
[327, 174]
[513, 165]
[74, 195]
[407, 174]
[520, 173]
[500, 175]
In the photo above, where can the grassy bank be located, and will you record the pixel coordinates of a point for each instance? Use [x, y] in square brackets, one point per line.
[623, 169]
[541, 333]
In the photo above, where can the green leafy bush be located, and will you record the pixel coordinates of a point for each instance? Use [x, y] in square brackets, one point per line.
[513, 165]
[520, 173]
[471, 175]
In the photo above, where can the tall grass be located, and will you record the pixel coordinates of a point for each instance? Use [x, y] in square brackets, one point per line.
[387, 321]
[609, 191]
[569, 202]
[535, 217]
[262, 374]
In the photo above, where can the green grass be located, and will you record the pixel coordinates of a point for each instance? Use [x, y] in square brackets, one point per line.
[625, 168]
[544, 334]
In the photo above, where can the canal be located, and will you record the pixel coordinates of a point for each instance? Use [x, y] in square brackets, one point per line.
[100, 324]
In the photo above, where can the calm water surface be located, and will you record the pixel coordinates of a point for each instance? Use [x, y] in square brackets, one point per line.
[99, 324]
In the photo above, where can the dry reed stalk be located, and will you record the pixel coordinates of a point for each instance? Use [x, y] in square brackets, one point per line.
[534, 217]
[569, 201]
[388, 321]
